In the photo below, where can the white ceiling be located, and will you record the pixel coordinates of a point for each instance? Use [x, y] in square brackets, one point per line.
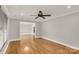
[24, 12]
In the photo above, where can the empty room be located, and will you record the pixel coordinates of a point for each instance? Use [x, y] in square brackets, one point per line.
[39, 29]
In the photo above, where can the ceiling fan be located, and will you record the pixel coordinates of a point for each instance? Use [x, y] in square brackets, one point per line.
[40, 14]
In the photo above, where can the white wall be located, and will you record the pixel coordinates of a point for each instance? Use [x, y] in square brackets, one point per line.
[13, 29]
[3, 24]
[64, 29]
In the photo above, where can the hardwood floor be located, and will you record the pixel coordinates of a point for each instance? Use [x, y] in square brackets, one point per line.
[38, 46]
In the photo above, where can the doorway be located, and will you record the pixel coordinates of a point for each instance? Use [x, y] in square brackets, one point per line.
[27, 35]
[27, 28]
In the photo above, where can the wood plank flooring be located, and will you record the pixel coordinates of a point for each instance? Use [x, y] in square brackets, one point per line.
[38, 46]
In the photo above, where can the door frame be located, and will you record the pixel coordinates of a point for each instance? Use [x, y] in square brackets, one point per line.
[33, 26]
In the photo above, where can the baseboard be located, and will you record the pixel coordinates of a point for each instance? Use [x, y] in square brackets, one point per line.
[3, 47]
[60, 43]
[6, 46]
[14, 39]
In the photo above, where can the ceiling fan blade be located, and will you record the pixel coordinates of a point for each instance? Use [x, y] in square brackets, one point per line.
[43, 17]
[36, 17]
[46, 15]
[40, 14]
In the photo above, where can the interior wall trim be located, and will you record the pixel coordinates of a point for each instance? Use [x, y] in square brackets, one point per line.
[5, 47]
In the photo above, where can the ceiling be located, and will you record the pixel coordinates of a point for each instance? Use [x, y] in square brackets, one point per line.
[25, 12]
